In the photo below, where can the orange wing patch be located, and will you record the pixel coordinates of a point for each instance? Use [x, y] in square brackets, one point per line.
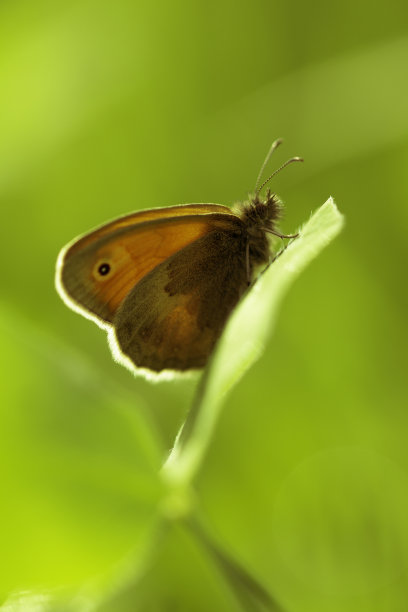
[136, 253]
[99, 270]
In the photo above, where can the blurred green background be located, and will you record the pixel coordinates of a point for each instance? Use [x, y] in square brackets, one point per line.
[110, 107]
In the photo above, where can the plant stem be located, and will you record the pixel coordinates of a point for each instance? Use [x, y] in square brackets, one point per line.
[249, 591]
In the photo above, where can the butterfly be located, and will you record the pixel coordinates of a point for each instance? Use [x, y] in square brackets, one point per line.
[164, 281]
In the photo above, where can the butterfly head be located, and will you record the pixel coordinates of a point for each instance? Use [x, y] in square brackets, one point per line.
[261, 213]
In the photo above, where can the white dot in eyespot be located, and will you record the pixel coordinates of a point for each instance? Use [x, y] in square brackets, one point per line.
[104, 269]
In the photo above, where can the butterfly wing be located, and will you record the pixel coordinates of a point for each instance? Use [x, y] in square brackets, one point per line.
[97, 271]
[172, 318]
[143, 216]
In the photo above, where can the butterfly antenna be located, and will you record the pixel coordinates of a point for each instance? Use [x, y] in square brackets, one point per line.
[290, 161]
[274, 146]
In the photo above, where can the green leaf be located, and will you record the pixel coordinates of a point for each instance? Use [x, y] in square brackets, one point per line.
[78, 470]
[244, 340]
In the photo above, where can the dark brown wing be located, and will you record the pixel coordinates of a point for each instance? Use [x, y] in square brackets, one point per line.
[172, 318]
[128, 248]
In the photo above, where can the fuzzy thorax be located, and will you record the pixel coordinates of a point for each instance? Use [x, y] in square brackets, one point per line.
[260, 216]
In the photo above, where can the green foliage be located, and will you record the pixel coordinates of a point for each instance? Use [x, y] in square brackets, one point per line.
[79, 470]
[292, 482]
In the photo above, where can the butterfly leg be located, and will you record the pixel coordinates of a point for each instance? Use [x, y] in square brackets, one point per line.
[284, 246]
[279, 235]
